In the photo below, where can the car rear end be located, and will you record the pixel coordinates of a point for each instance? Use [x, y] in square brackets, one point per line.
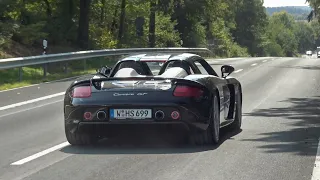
[309, 53]
[111, 105]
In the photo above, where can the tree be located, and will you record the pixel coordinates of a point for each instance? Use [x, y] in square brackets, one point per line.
[152, 23]
[230, 28]
[315, 4]
[121, 21]
[281, 32]
[251, 21]
[83, 30]
[305, 36]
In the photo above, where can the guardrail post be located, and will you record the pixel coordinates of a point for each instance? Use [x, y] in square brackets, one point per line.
[66, 68]
[45, 66]
[20, 73]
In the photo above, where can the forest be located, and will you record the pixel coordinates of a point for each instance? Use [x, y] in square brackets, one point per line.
[229, 28]
[299, 13]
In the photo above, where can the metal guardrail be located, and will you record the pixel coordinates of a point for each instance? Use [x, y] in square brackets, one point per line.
[52, 58]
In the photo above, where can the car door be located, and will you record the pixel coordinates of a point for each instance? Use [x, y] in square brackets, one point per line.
[220, 83]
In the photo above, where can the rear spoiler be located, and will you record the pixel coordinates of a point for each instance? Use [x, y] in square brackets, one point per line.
[91, 81]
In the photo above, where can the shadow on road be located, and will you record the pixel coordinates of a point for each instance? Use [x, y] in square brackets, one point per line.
[159, 144]
[303, 131]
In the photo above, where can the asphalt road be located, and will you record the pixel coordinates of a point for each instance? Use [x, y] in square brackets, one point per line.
[278, 140]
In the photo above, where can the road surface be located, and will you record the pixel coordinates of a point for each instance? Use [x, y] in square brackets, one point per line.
[278, 140]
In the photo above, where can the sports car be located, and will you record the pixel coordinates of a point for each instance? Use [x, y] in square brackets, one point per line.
[186, 93]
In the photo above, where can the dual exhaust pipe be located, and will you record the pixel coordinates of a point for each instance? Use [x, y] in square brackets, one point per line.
[159, 115]
[101, 115]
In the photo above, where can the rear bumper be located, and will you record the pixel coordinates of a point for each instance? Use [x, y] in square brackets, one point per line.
[110, 129]
[190, 118]
[121, 127]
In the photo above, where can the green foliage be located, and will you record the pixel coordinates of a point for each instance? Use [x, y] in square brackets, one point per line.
[238, 51]
[305, 36]
[166, 35]
[30, 34]
[274, 49]
[288, 37]
[230, 28]
[251, 20]
[298, 12]
[101, 38]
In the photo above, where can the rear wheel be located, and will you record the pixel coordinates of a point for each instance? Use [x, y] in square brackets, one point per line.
[80, 138]
[211, 134]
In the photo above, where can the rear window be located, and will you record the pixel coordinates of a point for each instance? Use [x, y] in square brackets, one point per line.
[155, 66]
[181, 65]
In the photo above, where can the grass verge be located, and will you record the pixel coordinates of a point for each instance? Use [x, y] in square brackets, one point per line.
[10, 78]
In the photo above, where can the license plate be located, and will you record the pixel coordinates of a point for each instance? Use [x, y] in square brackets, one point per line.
[130, 113]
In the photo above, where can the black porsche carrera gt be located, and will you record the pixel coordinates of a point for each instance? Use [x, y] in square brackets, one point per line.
[185, 92]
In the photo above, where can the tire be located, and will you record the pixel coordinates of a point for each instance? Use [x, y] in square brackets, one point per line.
[212, 134]
[236, 125]
[79, 139]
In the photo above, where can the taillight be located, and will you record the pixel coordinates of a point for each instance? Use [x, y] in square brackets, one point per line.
[187, 91]
[81, 92]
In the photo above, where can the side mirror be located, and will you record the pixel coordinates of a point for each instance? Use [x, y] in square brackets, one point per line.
[104, 70]
[226, 69]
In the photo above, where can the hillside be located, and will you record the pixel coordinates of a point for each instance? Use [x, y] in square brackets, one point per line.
[299, 12]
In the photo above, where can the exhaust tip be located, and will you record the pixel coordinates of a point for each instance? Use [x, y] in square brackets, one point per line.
[159, 115]
[101, 115]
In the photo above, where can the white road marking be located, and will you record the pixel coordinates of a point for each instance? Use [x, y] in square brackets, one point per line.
[254, 64]
[19, 88]
[316, 168]
[31, 101]
[265, 61]
[247, 72]
[42, 153]
[238, 70]
[34, 107]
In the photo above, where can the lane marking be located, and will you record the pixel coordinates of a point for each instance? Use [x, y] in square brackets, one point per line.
[316, 167]
[265, 61]
[19, 88]
[34, 107]
[254, 64]
[42, 153]
[238, 70]
[31, 101]
[250, 70]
